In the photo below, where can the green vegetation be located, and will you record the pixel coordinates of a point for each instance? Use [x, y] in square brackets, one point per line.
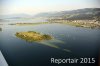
[66, 50]
[50, 45]
[31, 36]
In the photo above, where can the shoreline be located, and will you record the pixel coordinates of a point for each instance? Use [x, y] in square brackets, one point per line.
[77, 23]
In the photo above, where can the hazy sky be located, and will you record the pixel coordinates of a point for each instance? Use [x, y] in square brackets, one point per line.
[37, 6]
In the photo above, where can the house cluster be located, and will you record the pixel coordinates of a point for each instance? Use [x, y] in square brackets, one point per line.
[66, 20]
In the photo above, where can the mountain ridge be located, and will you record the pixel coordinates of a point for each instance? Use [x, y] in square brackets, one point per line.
[79, 14]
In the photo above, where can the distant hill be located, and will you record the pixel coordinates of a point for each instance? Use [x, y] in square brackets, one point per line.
[79, 14]
[47, 14]
[15, 16]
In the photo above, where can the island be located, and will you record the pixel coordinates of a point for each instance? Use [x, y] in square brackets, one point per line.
[32, 36]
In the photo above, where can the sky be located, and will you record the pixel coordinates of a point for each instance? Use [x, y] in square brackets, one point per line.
[38, 6]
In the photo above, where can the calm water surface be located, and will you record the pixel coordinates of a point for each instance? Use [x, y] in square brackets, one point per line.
[79, 42]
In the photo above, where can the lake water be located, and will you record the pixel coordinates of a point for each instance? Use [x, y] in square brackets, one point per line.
[73, 42]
